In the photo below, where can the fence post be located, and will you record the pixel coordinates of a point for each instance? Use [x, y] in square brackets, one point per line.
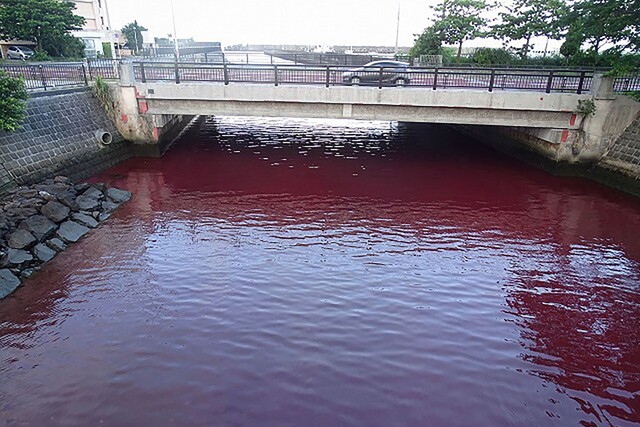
[380, 79]
[226, 73]
[143, 75]
[275, 74]
[435, 79]
[42, 78]
[492, 79]
[581, 82]
[84, 75]
[328, 76]
[90, 70]
[549, 82]
[247, 58]
[177, 70]
[206, 58]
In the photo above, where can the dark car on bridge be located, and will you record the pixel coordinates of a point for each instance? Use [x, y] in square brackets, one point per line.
[392, 73]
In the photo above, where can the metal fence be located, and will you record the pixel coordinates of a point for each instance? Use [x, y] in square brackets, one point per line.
[630, 83]
[46, 76]
[569, 81]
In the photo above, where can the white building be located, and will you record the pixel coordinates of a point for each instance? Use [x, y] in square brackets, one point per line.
[97, 27]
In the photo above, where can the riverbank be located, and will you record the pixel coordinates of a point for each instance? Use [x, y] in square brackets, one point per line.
[39, 221]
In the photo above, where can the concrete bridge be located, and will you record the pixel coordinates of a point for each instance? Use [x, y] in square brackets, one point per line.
[539, 108]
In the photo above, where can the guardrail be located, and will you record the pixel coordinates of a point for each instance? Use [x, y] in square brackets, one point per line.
[45, 76]
[630, 83]
[490, 79]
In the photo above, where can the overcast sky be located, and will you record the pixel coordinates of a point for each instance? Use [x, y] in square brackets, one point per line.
[323, 22]
[319, 22]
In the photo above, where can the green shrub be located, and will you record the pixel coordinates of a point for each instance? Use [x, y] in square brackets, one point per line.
[108, 53]
[13, 102]
[102, 91]
[586, 107]
[490, 56]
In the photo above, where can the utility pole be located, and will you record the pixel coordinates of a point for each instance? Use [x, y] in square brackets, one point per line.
[397, 30]
[175, 33]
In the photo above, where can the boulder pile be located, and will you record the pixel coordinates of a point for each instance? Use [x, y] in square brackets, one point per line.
[38, 221]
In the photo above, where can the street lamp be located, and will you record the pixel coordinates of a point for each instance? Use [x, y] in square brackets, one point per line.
[175, 34]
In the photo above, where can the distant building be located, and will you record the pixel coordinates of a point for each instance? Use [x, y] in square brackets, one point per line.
[97, 27]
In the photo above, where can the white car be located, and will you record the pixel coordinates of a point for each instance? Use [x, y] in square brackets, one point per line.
[19, 52]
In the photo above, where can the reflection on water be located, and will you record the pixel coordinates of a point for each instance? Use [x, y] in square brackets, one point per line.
[296, 272]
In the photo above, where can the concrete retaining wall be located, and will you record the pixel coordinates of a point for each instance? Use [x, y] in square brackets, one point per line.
[57, 138]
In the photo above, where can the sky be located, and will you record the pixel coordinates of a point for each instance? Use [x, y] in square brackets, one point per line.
[320, 22]
[304, 22]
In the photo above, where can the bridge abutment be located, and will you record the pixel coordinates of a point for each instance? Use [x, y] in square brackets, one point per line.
[152, 134]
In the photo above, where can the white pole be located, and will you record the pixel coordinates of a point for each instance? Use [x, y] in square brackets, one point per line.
[175, 35]
[398, 29]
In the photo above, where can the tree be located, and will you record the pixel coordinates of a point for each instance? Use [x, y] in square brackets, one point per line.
[460, 20]
[427, 43]
[525, 19]
[13, 102]
[133, 33]
[609, 21]
[40, 21]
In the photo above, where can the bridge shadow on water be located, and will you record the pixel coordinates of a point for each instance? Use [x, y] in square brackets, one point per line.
[548, 268]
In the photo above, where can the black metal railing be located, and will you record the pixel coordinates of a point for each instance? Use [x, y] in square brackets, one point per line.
[630, 83]
[569, 81]
[46, 76]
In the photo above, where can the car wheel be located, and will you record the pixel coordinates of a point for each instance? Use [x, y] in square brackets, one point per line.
[401, 81]
[356, 80]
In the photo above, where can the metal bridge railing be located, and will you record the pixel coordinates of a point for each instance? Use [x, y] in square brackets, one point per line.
[491, 79]
[46, 76]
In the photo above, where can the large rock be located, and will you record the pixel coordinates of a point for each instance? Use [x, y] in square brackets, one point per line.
[82, 187]
[55, 188]
[56, 244]
[21, 239]
[15, 258]
[118, 196]
[109, 206]
[84, 219]
[8, 283]
[71, 232]
[40, 226]
[43, 252]
[94, 193]
[55, 211]
[69, 200]
[86, 203]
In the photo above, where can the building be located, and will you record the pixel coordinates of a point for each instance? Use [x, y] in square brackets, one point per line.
[97, 31]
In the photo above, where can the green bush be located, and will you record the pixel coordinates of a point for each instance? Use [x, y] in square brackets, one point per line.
[108, 53]
[490, 56]
[13, 102]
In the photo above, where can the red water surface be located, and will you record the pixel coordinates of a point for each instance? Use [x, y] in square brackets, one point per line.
[275, 272]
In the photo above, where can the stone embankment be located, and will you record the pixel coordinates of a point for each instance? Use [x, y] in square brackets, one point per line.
[39, 221]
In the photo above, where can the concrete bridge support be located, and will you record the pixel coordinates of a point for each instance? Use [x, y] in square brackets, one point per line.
[151, 133]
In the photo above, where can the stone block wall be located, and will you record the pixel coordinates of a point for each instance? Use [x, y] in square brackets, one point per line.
[626, 150]
[58, 138]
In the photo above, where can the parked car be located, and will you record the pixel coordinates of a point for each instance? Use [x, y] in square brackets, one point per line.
[19, 52]
[393, 73]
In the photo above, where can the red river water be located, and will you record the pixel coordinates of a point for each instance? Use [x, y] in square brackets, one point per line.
[280, 272]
